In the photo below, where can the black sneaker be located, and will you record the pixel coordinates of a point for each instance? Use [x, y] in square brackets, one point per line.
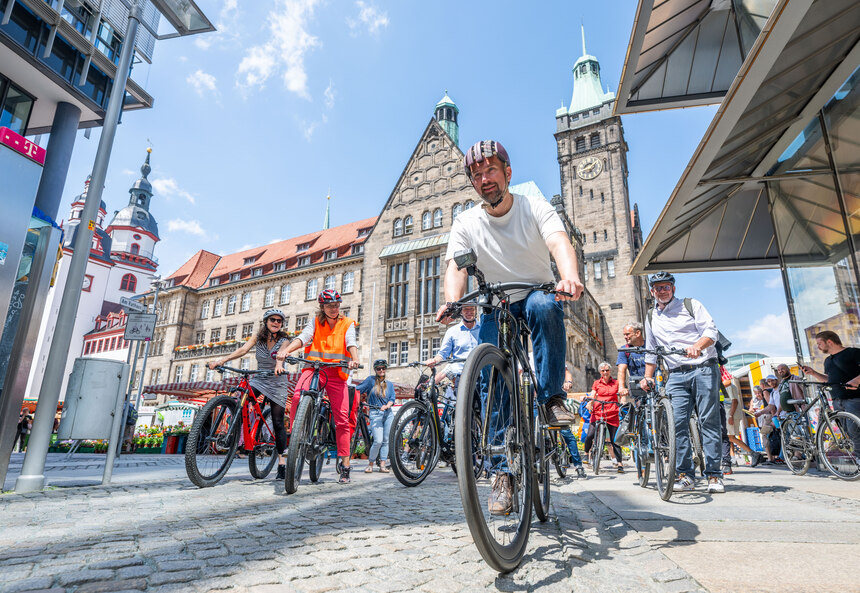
[344, 476]
[282, 472]
[580, 473]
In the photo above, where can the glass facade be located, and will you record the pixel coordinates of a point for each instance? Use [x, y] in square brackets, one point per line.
[815, 205]
[15, 106]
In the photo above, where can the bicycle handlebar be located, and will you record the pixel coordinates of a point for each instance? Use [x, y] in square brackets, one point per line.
[659, 350]
[318, 363]
[221, 369]
[500, 290]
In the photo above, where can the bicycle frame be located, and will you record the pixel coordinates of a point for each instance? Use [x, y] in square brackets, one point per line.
[248, 404]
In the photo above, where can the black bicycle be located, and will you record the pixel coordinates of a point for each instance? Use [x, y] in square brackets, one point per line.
[516, 446]
[313, 433]
[422, 433]
[362, 438]
[598, 446]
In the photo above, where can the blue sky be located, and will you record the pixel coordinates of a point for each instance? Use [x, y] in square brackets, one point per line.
[253, 125]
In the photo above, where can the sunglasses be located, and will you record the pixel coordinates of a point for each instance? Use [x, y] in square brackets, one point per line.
[664, 288]
[379, 369]
[276, 320]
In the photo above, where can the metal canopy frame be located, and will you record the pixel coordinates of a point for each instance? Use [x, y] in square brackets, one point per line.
[718, 216]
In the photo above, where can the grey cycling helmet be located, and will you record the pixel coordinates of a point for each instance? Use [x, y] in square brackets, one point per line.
[273, 313]
[380, 363]
[661, 277]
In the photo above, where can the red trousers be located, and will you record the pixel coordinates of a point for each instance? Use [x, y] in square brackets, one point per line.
[338, 396]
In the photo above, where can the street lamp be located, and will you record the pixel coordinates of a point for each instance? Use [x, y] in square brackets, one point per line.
[187, 19]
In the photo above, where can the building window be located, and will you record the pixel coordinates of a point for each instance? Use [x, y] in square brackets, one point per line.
[286, 289]
[135, 248]
[249, 260]
[231, 304]
[605, 235]
[594, 235]
[246, 302]
[347, 283]
[257, 272]
[215, 335]
[330, 282]
[591, 194]
[219, 307]
[580, 143]
[204, 310]
[425, 349]
[235, 277]
[128, 282]
[330, 255]
[398, 290]
[398, 227]
[436, 344]
[87, 347]
[580, 191]
[429, 287]
[392, 354]
[437, 217]
[231, 333]
[408, 225]
[468, 204]
[455, 211]
[426, 221]
[610, 268]
[404, 353]
[195, 368]
[246, 364]
[280, 266]
[303, 247]
[301, 322]
[214, 281]
[585, 269]
[247, 330]
[177, 377]
[304, 260]
[602, 198]
[311, 290]
[200, 337]
[210, 375]
[270, 297]
[358, 249]
[597, 271]
[595, 140]
[364, 231]
[113, 344]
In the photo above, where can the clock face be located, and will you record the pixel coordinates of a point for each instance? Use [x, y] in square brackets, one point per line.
[589, 168]
[88, 282]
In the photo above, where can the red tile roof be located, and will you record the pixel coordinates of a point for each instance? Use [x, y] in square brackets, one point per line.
[205, 265]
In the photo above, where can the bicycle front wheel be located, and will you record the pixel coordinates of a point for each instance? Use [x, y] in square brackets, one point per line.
[498, 511]
[795, 447]
[212, 441]
[664, 447]
[597, 447]
[696, 444]
[560, 456]
[415, 446]
[318, 449]
[543, 450]
[299, 437]
[640, 451]
[262, 458]
[839, 444]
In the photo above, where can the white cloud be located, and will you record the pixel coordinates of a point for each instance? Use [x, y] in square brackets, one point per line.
[128, 172]
[773, 282]
[769, 335]
[168, 187]
[329, 94]
[308, 129]
[284, 51]
[191, 227]
[369, 18]
[203, 83]
[224, 28]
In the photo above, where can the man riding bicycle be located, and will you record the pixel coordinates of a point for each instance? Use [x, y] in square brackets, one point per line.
[513, 237]
[330, 338]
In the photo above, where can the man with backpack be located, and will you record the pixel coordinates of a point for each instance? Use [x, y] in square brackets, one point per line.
[693, 379]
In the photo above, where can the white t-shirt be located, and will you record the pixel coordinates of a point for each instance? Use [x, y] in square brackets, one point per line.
[510, 248]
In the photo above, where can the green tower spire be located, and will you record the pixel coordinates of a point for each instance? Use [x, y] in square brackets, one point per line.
[446, 115]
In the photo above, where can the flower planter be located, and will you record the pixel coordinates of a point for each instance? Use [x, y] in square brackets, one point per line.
[180, 444]
[149, 450]
[86, 450]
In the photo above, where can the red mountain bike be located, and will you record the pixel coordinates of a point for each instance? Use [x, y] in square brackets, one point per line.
[215, 434]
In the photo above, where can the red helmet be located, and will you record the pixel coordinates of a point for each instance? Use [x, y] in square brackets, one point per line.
[329, 295]
[484, 150]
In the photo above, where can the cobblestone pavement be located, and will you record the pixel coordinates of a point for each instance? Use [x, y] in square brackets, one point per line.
[373, 535]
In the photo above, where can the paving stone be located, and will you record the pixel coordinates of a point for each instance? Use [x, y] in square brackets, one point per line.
[130, 572]
[112, 585]
[84, 576]
[172, 565]
[182, 576]
[27, 584]
[118, 562]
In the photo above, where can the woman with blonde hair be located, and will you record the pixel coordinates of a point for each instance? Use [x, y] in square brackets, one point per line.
[380, 399]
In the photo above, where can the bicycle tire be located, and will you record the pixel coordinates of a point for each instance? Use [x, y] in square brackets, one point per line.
[640, 452]
[208, 452]
[792, 445]
[837, 450]
[696, 446]
[415, 448]
[262, 458]
[560, 456]
[664, 447]
[500, 539]
[319, 445]
[362, 433]
[541, 494]
[302, 427]
[597, 447]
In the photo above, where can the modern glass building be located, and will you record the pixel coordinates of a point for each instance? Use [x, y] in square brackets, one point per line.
[775, 181]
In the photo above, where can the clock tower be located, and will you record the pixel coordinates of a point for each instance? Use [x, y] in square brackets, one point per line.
[592, 159]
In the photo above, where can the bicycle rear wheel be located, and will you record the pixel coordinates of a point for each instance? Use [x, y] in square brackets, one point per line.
[640, 452]
[506, 443]
[361, 436]
[560, 455]
[795, 447]
[212, 441]
[597, 447]
[299, 437]
[696, 444]
[544, 450]
[415, 446]
[664, 447]
[317, 450]
[839, 445]
[262, 458]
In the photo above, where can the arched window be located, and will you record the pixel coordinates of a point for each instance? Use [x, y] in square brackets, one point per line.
[426, 221]
[407, 225]
[398, 227]
[135, 248]
[468, 204]
[437, 217]
[129, 283]
[457, 209]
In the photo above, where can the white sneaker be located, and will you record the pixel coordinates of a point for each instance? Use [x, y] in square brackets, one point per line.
[715, 486]
[684, 482]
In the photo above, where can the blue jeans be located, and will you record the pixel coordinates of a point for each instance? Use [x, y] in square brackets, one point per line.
[544, 316]
[380, 426]
[700, 386]
[852, 406]
[570, 439]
